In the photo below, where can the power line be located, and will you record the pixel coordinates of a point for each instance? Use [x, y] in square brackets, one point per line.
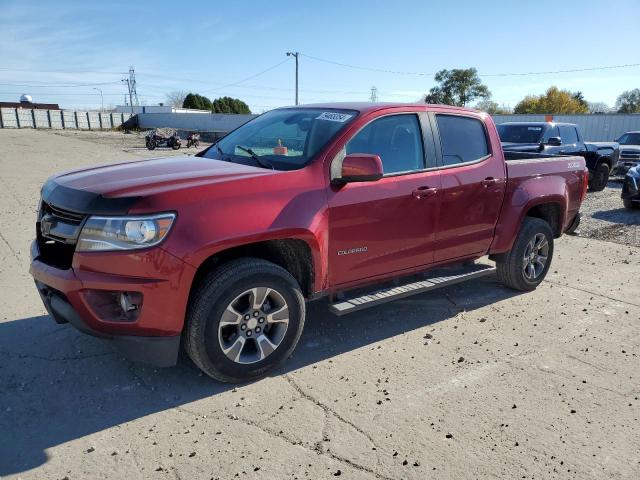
[61, 85]
[399, 72]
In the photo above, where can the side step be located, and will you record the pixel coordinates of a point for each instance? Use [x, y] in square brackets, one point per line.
[435, 279]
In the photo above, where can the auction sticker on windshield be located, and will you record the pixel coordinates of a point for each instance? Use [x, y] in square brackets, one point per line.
[334, 116]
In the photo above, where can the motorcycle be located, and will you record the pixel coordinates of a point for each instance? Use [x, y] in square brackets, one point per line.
[155, 139]
[193, 140]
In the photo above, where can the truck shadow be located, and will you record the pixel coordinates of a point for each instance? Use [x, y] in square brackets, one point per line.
[57, 385]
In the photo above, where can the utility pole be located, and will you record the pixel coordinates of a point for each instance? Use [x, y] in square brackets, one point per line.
[374, 94]
[101, 99]
[295, 54]
[126, 80]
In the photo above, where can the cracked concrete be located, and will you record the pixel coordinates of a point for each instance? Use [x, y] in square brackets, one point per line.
[547, 388]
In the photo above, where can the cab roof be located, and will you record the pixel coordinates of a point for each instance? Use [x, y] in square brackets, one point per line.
[366, 107]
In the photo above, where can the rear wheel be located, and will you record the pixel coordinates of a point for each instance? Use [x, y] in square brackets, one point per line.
[527, 263]
[244, 319]
[599, 178]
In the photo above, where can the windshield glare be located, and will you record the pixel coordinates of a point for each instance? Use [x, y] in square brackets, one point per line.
[629, 139]
[286, 139]
[520, 133]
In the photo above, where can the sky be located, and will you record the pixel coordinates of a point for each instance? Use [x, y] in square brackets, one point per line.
[60, 52]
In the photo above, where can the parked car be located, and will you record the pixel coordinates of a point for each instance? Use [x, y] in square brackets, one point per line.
[220, 251]
[631, 188]
[629, 152]
[549, 138]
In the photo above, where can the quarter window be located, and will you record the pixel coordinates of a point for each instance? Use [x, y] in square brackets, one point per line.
[463, 139]
[396, 139]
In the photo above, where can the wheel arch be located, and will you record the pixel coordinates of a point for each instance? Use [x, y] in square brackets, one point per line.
[293, 254]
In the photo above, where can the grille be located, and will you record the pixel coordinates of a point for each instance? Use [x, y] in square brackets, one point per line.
[630, 154]
[58, 243]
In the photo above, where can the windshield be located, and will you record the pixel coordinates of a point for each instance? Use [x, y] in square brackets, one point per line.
[520, 133]
[629, 139]
[283, 139]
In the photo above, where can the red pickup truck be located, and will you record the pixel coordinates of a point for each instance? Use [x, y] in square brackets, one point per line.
[217, 253]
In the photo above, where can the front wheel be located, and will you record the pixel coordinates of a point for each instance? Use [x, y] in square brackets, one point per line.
[599, 178]
[244, 319]
[628, 204]
[528, 261]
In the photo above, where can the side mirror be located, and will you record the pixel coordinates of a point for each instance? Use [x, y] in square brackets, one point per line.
[554, 141]
[359, 167]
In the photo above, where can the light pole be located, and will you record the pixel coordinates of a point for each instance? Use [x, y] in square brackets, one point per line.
[295, 54]
[101, 99]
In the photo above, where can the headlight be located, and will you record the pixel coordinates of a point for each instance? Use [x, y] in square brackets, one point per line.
[124, 233]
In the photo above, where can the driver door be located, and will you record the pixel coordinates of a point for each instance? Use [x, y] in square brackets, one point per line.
[385, 226]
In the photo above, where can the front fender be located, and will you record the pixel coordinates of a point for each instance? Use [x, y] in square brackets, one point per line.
[525, 196]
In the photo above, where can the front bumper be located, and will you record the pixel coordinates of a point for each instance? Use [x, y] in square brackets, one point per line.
[162, 280]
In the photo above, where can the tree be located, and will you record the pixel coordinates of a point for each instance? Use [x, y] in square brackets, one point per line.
[229, 105]
[579, 97]
[629, 101]
[176, 98]
[599, 107]
[553, 101]
[457, 87]
[199, 102]
[492, 107]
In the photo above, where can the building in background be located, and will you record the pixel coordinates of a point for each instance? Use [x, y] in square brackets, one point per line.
[27, 102]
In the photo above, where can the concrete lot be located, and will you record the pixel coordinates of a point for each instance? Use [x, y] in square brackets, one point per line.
[472, 381]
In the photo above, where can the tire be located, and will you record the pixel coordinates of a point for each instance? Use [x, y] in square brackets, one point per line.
[206, 335]
[511, 268]
[151, 145]
[628, 204]
[600, 177]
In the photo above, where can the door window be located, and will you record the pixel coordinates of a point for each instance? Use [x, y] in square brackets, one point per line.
[396, 139]
[463, 139]
[568, 135]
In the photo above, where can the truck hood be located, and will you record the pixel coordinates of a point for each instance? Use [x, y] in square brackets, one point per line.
[113, 189]
[521, 147]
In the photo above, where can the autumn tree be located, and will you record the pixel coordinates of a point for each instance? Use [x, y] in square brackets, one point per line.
[553, 101]
[457, 87]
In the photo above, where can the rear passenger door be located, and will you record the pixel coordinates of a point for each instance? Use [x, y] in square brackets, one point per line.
[473, 182]
[571, 145]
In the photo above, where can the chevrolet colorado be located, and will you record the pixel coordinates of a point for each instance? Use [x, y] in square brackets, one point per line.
[216, 254]
[549, 138]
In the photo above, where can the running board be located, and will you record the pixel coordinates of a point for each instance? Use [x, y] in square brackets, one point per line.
[435, 279]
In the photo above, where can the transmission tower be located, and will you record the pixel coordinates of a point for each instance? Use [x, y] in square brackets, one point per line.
[374, 94]
[132, 85]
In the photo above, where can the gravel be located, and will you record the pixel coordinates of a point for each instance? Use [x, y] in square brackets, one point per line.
[605, 218]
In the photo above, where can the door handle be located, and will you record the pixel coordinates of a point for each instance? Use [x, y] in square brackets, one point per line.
[489, 182]
[424, 192]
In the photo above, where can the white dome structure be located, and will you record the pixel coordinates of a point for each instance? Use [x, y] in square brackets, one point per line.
[24, 98]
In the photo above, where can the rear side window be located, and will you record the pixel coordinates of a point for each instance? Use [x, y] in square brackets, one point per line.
[568, 134]
[463, 139]
[396, 139]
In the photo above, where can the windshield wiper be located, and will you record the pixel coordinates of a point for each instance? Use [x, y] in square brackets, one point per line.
[261, 161]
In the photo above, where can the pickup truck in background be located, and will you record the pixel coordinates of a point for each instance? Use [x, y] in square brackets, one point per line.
[629, 152]
[360, 203]
[549, 138]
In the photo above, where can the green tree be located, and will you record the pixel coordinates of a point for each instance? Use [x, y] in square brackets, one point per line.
[554, 100]
[492, 107]
[579, 97]
[193, 100]
[629, 101]
[457, 87]
[229, 105]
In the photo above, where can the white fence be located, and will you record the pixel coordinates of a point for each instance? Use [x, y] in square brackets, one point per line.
[59, 119]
